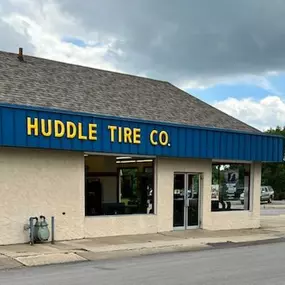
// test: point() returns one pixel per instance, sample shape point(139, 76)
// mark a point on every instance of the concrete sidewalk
point(14, 256)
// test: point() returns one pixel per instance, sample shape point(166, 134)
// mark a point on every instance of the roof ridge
point(84, 66)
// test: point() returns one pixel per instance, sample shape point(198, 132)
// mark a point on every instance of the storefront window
point(126, 191)
point(230, 187)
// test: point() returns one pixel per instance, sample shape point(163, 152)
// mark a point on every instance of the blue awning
point(31, 127)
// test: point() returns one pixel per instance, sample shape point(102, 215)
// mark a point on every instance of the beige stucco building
point(110, 154)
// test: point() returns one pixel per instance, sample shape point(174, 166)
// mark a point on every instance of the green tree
point(273, 174)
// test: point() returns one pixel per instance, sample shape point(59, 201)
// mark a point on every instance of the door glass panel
point(193, 185)
point(179, 200)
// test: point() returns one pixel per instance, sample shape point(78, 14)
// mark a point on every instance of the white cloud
point(112, 43)
point(139, 37)
point(44, 26)
point(262, 114)
point(260, 81)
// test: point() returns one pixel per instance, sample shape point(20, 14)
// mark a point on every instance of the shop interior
point(118, 185)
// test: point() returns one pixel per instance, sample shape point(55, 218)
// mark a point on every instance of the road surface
point(253, 265)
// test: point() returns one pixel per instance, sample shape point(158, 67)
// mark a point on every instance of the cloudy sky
point(230, 54)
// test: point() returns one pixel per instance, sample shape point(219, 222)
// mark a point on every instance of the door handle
point(187, 202)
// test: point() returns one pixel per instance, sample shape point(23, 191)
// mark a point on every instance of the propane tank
point(42, 230)
point(36, 229)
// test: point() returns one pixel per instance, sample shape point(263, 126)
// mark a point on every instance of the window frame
point(250, 181)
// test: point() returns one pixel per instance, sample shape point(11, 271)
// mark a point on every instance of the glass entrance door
point(179, 201)
point(186, 200)
point(192, 207)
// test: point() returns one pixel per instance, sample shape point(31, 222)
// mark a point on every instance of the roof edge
point(131, 119)
point(83, 66)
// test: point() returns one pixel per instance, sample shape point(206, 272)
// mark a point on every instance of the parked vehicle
point(265, 195)
point(271, 193)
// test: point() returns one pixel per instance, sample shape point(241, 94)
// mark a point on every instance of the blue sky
point(75, 41)
point(80, 42)
point(221, 92)
point(238, 90)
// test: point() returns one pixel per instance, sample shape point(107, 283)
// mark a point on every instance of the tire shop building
point(113, 154)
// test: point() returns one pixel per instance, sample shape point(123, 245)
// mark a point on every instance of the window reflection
point(230, 187)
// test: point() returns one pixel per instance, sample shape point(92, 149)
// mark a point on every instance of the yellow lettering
point(71, 130)
point(80, 132)
point(127, 135)
point(46, 132)
point(92, 132)
point(151, 137)
point(59, 129)
point(120, 134)
point(33, 126)
point(112, 132)
point(137, 136)
point(163, 138)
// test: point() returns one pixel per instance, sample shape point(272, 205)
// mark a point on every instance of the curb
point(76, 256)
point(132, 253)
point(230, 244)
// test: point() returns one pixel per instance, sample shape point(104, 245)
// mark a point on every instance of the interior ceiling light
point(134, 161)
point(123, 157)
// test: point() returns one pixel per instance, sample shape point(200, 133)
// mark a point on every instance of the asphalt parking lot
point(276, 208)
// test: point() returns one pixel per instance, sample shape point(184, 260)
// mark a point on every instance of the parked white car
point(265, 195)
point(271, 192)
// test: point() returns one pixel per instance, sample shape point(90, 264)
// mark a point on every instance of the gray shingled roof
point(45, 83)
